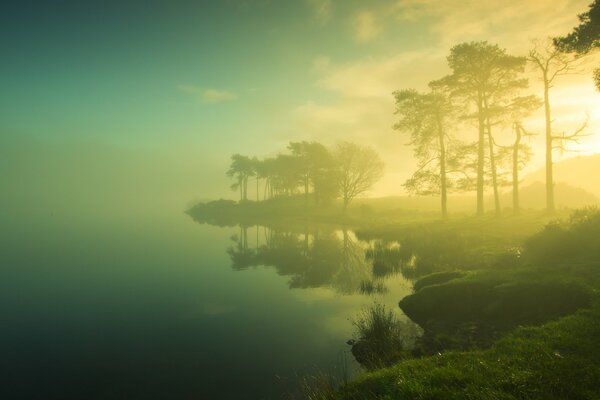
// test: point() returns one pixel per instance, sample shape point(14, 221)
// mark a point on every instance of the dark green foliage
point(560, 360)
point(499, 300)
point(585, 36)
point(380, 337)
point(576, 242)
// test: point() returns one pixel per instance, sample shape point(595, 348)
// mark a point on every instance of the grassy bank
point(544, 311)
point(559, 360)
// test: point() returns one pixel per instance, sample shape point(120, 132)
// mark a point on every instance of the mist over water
point(144, 302)
point(300, 200)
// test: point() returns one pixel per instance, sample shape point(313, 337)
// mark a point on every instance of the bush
point(575, 241)
point(380, 337)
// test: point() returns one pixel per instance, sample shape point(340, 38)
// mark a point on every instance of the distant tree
point(483, 74)
point(286, 174)
point(316, 161)
point(326, 185)
point(241, 168)
point(551, 63)
point(259, 172)
point(425, 117)
point(359, 168)
point(585, 37)
point(521, 107)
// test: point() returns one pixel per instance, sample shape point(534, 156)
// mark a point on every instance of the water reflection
point(319, 257)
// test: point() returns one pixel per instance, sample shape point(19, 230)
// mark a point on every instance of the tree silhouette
point(425, 117)
point(520, 108)
point(241, 168)
point(358, 167)
point(585, 37)
point(552, 63)
point(483, 74)
point(316, 160)
point(287, 174)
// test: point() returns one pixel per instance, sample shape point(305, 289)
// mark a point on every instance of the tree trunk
point(515, 172)
point(443, 183)
point(492, 162)
point(494, 176)
point(257, 192)
point(549, 175)
point(306, 190)
point(494, 173)
point(480, 156)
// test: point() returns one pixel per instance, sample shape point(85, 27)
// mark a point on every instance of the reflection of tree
point(241, 256)
point(321, 257)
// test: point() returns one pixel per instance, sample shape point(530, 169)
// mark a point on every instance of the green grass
point(557, 273)
point(559, 360)
point(437, 278)
point(502, 275)
point(499, 298)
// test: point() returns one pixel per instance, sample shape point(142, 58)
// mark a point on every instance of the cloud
point(378, 77)
point(366, 27)
point(321, 10)
point(208, 95)
point(360, 106)
point(510, 22)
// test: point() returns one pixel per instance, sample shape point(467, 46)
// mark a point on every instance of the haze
point(117, 100)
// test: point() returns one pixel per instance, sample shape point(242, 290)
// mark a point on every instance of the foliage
point(379, 340)
point(427, 119)
point(585, 37)
point(358, 168)
point(241, 168)
point(347, 172)
point(485, 78)
point(560, 360)
point(577, 241)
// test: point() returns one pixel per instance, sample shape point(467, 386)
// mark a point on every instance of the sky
point(124, 100)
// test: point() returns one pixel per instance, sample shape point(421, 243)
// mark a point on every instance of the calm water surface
point(157, 306)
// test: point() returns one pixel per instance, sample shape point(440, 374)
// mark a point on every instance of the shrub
point(380, 340)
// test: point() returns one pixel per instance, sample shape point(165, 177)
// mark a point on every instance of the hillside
point(578, 171)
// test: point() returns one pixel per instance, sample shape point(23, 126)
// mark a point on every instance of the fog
point(300, 200)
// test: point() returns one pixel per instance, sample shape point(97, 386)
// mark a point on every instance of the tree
point(358, 169)
point(551, 64)
point(585, 37)
point(287, 174)
point(483, 74)
point(424, 116)
point(519, 152)
point(316, 161)
point(241, 168)
point(260, 172)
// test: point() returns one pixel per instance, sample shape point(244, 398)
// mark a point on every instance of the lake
point(156, 306)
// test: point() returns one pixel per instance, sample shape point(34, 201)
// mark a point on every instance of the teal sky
point(153, 97)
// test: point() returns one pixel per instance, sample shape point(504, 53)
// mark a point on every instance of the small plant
point(380, 337)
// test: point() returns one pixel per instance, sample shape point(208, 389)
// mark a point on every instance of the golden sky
point(176, 88)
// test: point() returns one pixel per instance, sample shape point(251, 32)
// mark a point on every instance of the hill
point(579, 171)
